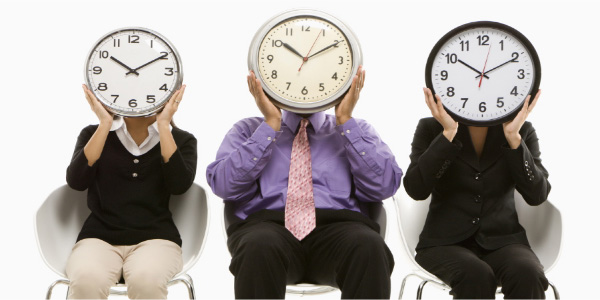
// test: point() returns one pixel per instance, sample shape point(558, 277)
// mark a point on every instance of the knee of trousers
point(370, 246)
point(258, 250)
point(525, 274)
point(476, 273)
point(144, 284)
point(90, 281)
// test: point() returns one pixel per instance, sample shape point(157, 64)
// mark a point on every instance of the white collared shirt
point(120, 127)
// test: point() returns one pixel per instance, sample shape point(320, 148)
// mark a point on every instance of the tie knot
point(304, 123)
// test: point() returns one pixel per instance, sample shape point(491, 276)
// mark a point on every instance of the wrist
point(275, 123)
point(514, 140)
point(340, 120)
point(450, 134)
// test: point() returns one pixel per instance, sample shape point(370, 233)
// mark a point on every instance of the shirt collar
point(292, 120)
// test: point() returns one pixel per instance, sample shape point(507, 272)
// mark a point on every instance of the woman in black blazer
point(472, 238)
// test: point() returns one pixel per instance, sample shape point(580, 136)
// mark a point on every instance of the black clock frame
point(489, 24)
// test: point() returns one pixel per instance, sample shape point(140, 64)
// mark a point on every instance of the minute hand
point(492, 69)
point(334, 44)
point(135, 70)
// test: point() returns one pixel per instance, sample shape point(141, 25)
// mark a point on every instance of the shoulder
point(247, 126)
point(88, 131)
point(181, 136)
point(526, 128)
point(429, 125)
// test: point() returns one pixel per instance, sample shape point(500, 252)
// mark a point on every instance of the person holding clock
point(130, 167)
point(265, 168)
point(472, 239)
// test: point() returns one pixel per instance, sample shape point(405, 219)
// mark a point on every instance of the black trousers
point(345, 250)
point(474, 273)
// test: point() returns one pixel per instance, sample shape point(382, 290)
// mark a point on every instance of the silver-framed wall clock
point(133, 71)
point(305, 59)
point(483, 71)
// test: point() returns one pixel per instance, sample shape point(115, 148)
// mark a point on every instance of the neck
point(135, 124)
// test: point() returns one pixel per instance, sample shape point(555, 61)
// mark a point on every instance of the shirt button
point(475, 221)
point(134, 175)
point(255, 159)
point(478, 199)
point(363, 153)
point(135, 161)
point(268, 138)
point(347, 130)
point(477, 176)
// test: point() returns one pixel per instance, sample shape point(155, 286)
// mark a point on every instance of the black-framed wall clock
point(483, 71)
point(305, 59)
point(133, 71)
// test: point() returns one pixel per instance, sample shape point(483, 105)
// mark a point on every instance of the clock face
point(306, 61)
point(483, 72)
point(133, 72)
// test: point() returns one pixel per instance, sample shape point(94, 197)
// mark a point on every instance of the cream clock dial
point(133, 71)
point(483, 71)
point(305, 59)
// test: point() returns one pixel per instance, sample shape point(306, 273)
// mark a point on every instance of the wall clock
point(133, 71)
point(305, 59)
point(483, 71)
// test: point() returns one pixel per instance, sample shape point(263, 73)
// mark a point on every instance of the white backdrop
point(43, 50)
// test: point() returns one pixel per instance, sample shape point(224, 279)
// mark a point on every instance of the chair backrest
point(542, 223)
point(59, 219)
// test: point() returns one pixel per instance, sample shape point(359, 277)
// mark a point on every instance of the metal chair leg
point(420, 290)
point(188, 282)
point(556, 294)
point(404, 284)
point(51, 287)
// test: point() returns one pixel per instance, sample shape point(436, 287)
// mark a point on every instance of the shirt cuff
point(350, 130)
point(264, 136)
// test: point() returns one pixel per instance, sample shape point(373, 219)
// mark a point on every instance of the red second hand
point(311, 47)
point(485, 64)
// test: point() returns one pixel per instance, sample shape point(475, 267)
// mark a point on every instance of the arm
point(80, 173)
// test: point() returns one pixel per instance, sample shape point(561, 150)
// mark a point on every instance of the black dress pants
point(474, 273)
point(345, 250)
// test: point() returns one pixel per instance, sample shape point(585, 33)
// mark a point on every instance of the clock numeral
point(274, 74)
point(335, 41)
point(288, 87)
point(334, 76)
point(463, 45)
point(164, 55)
point(276, 43)
point(341, 60)
point(305, 29)
point(499, 102)
point(450, 91)
point(150, 99)
point(521, 74)
point(97, 70)
point(321, 87)
point(102, 86)
point(304, 91)
point(514, 91)
point(464, 101)
point(451, 58)
point(483, 40)
point(132, 103)
point(116, 97)
point(444, 74)
point(289, 31)
point(515, 55)
point(270, 58)
point(501, 45)
point(134, 39)
point(163, 87)
point(169, 71)
point(103, 54)
point(482, 107)
point(116, 43)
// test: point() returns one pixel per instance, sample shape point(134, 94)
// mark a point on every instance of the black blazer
point(471, 196)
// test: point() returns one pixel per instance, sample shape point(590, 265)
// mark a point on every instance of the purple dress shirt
point(350, 164)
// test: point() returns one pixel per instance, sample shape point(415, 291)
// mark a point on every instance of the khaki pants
point(95, 266)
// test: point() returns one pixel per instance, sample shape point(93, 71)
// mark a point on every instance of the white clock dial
point(483, 74)
point(305, 59)
point(133, 72)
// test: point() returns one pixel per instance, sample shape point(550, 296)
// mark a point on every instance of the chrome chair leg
point(51, 287)
point(556, 294)
point(188, 282)
point(404, 284)
point(420, 290)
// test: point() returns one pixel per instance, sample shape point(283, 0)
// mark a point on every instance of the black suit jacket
point(471, 196)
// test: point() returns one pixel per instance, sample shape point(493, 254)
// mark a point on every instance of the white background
point(43, 48)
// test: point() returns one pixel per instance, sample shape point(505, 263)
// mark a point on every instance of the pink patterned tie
point(300, 204)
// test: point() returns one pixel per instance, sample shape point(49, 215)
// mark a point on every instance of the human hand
point(166, 115)
point(440, 114)
point(512, 128)
point(271, 112)
point(343, 110)
point(103, 115)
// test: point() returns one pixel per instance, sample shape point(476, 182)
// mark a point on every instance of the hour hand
point(476, 71)
point(125, 66)
point(287, 46)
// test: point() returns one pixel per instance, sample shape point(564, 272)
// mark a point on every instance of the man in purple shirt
point(351, 170)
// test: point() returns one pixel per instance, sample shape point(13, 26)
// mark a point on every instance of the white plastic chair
point(543, 225)
point(58, 221)
point(377, 213)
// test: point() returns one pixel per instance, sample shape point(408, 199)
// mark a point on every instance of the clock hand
point(492, 69)
point(304, 59)
point(287, 46)
point(125, 66)
point(484, 65)
point(332, 45)
point(135, 70)
point(476, 71)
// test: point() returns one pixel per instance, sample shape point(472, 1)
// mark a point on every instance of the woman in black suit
point(472, 238)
